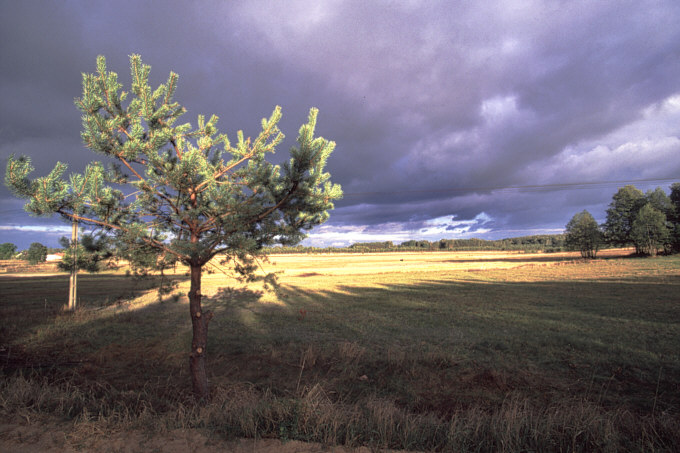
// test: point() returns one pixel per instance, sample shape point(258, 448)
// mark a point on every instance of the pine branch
point(153, 243)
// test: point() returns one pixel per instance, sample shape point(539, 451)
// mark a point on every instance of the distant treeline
point(545, 243)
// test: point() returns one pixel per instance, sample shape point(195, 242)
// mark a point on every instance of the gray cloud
point(433, 105)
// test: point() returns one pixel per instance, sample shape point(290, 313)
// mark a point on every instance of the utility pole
point(73, 283)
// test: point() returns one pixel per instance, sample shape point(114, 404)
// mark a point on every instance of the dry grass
point(441, 351)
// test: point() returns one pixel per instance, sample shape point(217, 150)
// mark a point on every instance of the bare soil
point(30, 436)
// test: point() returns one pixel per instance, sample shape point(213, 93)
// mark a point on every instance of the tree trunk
point(73, 280)
point(199, 342)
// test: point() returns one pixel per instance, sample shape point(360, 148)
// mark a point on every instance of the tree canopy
point(36, 253)
point(583, 234)
point(7, 251)
point(650, 232)
point(625, 204)
point(674, 216)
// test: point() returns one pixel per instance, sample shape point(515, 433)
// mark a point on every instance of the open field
point(423, 351)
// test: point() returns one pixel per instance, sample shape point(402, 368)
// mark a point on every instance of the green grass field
point(438, 351)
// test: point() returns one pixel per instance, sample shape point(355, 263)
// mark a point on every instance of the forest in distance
point(546, 243)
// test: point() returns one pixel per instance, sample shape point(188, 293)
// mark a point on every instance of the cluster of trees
point(546, 243)
point(648, 221)
point(36, 252)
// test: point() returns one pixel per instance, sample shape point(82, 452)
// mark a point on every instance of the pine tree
point(188, 192)
point(91, 252)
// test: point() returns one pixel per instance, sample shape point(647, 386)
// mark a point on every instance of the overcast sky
point(452, 119)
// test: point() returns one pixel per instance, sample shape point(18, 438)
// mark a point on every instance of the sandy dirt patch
point(52, 437)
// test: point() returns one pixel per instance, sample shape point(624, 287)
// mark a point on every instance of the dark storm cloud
point(437, 108)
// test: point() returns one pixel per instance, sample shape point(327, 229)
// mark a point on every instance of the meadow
point(451, 351)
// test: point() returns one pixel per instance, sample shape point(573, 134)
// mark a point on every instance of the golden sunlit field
point(450, 351)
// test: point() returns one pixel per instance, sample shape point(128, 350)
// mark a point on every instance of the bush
point(7, 251)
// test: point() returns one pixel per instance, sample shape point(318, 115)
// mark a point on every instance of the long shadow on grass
point(430, 343)
point(93, 289)
point(103, 335)
point(430, 347)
